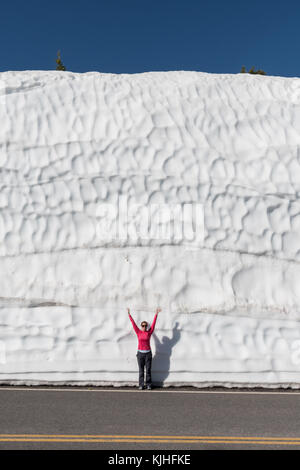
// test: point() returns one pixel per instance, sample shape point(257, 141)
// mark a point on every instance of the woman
point(144, 353)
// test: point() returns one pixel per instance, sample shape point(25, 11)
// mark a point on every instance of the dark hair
point(144, 321)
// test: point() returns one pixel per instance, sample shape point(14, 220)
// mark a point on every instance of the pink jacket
point(143, 336)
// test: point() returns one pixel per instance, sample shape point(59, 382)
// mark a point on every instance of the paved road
point(170, 419)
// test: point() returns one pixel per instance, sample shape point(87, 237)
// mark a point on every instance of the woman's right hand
point(128, 311)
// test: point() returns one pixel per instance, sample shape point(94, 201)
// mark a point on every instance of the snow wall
point(99, 173)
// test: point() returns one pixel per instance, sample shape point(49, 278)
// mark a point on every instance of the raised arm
point(136, 329)
point(154, 321)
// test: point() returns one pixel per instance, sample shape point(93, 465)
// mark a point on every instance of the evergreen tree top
point(252, 71)
point(60, 65)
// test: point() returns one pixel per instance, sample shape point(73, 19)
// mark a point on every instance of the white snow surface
point(74, 144)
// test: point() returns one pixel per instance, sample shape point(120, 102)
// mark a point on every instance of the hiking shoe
point(141, 388)
point(149, 387)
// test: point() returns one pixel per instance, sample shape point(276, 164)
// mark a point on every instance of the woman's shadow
point(161, 360)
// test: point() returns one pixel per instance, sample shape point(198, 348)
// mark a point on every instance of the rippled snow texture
point(71, 143)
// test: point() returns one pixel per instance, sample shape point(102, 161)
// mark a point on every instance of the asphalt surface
point(160, 419)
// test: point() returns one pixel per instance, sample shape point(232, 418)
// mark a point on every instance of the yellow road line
point(148, 439)
point(183, 441)
point(122, 436)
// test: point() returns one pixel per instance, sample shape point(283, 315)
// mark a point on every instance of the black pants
point(144, 359)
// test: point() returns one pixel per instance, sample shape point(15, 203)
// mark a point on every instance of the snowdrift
point(171, 189)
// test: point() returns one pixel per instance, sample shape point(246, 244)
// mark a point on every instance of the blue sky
point(131, 36)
